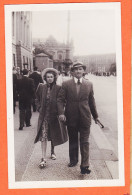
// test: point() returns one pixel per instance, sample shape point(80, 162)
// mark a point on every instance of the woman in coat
point(49, 127)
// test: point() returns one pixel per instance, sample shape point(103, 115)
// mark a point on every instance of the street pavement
point(103, 147)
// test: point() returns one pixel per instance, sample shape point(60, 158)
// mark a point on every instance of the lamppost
point(67, 62)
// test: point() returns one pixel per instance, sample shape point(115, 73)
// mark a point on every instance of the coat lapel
point(44, 92)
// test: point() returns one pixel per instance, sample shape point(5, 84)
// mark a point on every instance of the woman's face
point(49, 78)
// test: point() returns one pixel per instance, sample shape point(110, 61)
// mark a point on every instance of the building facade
point(98, 63)
point(22, 40)
point(43, 61)
point(57, 50)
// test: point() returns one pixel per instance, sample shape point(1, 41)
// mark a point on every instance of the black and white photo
point(64, 95)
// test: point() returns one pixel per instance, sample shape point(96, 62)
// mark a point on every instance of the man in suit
point(75, 105)
point(26, 90)
point(37, 79)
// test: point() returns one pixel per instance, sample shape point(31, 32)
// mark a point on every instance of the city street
point(103, 143)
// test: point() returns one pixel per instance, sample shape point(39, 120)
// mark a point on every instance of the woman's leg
point(44, 142)
point(44, 147)
point(53, 156)
point(52, 148)
point(43, 160)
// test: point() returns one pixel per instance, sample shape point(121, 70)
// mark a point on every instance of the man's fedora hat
point(78, 64)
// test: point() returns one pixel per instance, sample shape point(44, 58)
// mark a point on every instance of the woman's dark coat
point(58, 135)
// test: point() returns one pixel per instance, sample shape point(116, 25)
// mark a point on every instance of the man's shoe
point(29, 125)
point(85, 170)
point(72, 164)
point(20, 128)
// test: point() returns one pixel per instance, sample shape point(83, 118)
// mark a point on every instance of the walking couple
point(72, 104)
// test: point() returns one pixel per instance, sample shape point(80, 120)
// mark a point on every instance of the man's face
point(49, 78)
point(67, 68)
point(78, 72)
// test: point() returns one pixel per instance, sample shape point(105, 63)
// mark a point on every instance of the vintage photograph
point(64, 95)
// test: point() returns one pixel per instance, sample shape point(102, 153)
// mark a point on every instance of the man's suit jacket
point(26, 89)
point(14, 87)
point(37, 79)
point(78, 107)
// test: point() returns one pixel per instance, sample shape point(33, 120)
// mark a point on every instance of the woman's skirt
point(45, 132)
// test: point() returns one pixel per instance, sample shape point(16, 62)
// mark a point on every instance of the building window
point(23, 59)
point(60, 57)
point(13, 23)
point(14, 60)
point(30, 64)
point(27, 60)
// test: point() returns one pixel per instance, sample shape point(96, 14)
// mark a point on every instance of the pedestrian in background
point(18, 74)
point(14, 88)
point(26, 91)
point(75, 105)
point(64, 76)
point(48, 124)
point(37, 79)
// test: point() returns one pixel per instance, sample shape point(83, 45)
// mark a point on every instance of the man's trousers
point(25, 113)
point(74, 144)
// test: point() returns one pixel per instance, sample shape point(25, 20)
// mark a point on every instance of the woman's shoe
point(42, 164)
point(53, 156)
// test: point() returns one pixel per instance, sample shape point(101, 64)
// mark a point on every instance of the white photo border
point(12, 184)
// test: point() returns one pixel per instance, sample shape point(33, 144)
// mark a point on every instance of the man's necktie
point(78, 86)
point(78, 82)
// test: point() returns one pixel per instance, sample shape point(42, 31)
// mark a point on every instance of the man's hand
point(97, 120)
point(62, 118)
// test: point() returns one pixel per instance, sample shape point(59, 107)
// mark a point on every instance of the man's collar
point(76, 80)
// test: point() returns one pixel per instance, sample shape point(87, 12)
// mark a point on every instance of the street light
point(67, 62)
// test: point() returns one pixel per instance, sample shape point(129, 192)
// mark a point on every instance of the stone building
point(98, 63)
point(22, 40)
point(43, 61)
point(57, 50)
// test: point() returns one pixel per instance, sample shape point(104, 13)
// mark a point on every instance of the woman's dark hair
point(53, 73)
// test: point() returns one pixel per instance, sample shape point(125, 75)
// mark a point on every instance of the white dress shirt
point(78, 84)
point(76, 80)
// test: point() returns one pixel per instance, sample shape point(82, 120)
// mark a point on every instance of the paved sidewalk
point(103, 160)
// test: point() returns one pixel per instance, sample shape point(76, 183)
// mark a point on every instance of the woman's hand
point(62, 117)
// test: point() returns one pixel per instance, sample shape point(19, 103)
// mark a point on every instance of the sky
point(92, 31)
